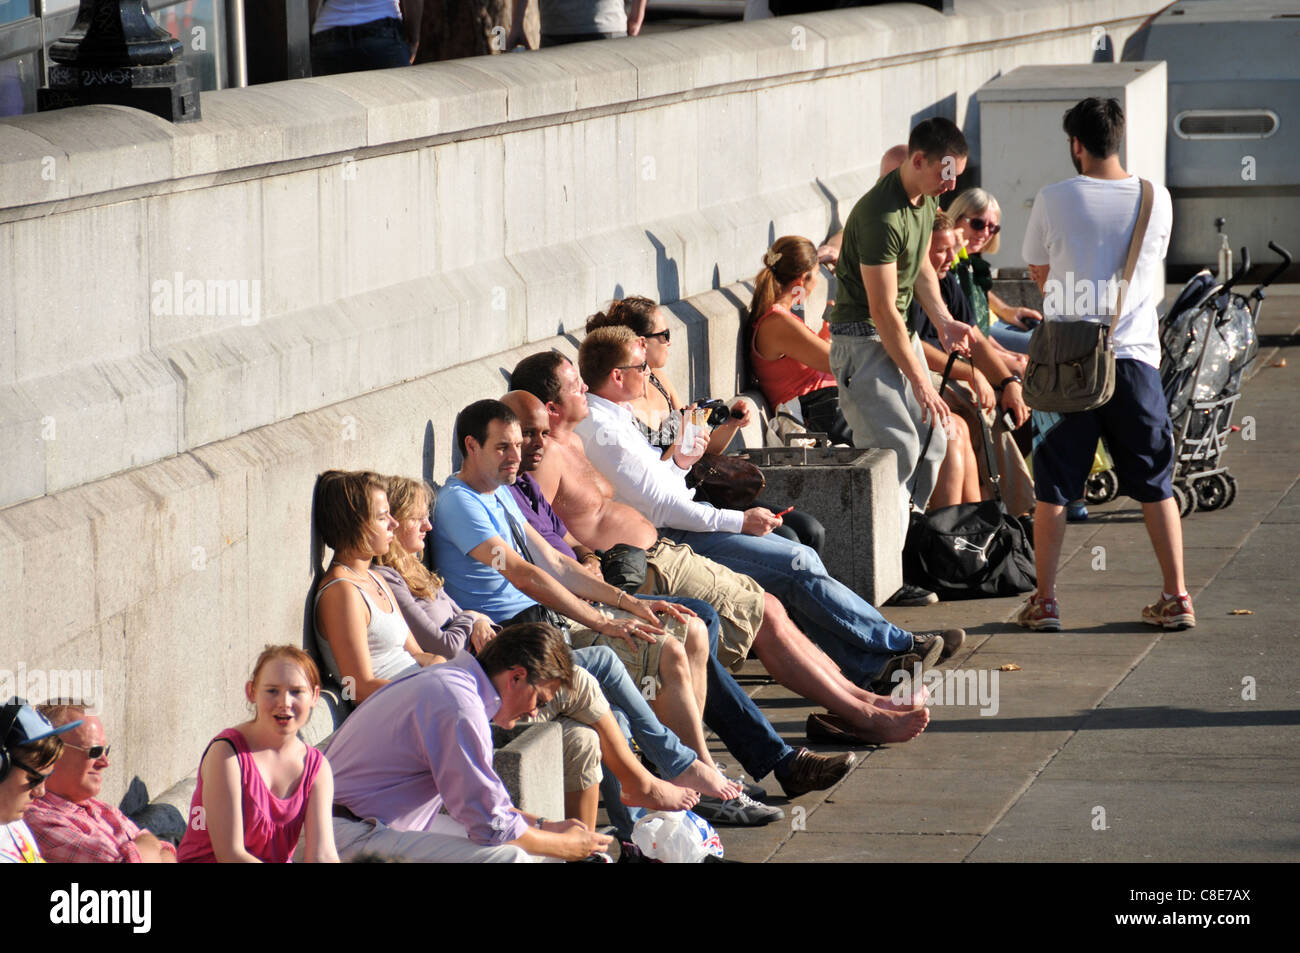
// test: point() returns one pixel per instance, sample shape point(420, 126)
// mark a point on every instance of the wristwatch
point(1008, 379)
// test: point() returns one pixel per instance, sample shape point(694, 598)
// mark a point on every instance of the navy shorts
point(1135, 425)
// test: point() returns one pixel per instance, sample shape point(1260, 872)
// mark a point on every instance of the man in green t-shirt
point(885, 389)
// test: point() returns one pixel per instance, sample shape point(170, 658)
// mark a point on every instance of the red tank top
point(785, 378)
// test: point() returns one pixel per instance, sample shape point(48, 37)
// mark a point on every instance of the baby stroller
point(1207, 340)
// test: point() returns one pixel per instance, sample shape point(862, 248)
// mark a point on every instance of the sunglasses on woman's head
point(980, 224)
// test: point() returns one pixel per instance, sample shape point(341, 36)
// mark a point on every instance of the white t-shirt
point(1081, 228)
point(17, 845)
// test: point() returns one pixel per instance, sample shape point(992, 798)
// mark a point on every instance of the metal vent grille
point(1226, 124)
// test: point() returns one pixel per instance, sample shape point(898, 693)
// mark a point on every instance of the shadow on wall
point(667, 281)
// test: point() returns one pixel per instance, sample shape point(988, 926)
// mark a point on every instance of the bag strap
point(1134, 247)
point(995, 474)
point(947, 372)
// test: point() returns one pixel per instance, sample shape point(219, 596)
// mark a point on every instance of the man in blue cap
point(29, 746)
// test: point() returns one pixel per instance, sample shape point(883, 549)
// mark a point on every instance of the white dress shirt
point(654, 487)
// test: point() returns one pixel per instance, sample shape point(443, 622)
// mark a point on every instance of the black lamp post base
point(168, 90)
point(117, 54)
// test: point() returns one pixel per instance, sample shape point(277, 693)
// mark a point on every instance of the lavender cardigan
point(438, 624)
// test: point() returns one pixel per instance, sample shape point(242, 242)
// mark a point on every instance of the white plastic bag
point(676, 837)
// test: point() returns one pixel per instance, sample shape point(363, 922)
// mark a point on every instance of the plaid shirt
point(90, 832)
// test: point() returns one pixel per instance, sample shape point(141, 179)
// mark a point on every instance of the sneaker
point(1175, 613)
point(952, 640)
point(928, 645)
point(1041, 615)
point(1076, 512)
point(740, 811)
point(885, 679)
point(912, 596)
point(814, 772)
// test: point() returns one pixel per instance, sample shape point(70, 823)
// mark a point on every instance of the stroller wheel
point(1212, 492)
point(1101, 487)
point(1232, 491)
point(1186, 501)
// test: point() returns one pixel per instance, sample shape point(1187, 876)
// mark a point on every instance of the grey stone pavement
point(1114, 741)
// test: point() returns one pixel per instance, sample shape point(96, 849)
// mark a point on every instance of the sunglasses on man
point(94, 752)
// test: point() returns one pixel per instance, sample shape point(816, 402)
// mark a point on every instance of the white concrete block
point(96, 149)
point(559, 282)
point(100, 419)
point(466, 100)
point(32, 169)
point(66, 313)
point(205, 263)
point(397, 102)
point(667, 176)
point(539, 85)
point(21, 427)
point(381, 230)
point(53, 534)
point(470, 190)
point(730, 150)
point(290, 218)
point(603, 169)
point(228, 384)
point(493, 307)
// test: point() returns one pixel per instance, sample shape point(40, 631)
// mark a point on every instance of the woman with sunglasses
point(29, 747)
point(977, 215)
point(659, 412)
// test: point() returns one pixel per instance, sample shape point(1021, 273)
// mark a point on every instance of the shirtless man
point(583, 498)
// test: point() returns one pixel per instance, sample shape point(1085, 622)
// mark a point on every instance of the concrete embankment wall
point(197, 319)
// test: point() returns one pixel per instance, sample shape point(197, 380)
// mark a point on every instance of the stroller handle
point(1277, 272)
point(1240, 272)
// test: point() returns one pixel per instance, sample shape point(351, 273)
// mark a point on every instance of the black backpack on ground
point(970, 550)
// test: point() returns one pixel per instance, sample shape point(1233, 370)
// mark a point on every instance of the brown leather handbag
point(729, 483)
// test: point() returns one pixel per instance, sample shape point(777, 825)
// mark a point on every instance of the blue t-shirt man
point(464, 519)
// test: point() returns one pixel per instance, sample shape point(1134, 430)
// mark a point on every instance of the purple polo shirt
point(423, 741)
point(539, 513)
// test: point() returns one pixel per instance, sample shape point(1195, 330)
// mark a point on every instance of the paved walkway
point(1114, 741)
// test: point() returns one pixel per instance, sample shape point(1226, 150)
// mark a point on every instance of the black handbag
point(624, 567)
point(970, 550)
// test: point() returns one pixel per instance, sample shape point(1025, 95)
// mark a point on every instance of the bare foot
point(904, 697)
point(659, 796)
point(707, 780)
point(889, 726)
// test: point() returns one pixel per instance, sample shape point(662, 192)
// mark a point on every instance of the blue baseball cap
point(21, 724)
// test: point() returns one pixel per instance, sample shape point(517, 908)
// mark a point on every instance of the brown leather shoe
point(814, 772)
point(826, 728)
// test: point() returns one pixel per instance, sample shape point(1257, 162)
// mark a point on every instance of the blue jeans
point(375, 45)
point(843, 624)
point(1009, 336)
point(731, 713)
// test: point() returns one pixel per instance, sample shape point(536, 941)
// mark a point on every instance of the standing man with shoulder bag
point(1093, 363)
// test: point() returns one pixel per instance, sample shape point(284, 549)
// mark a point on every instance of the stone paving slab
point(1151, 726)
